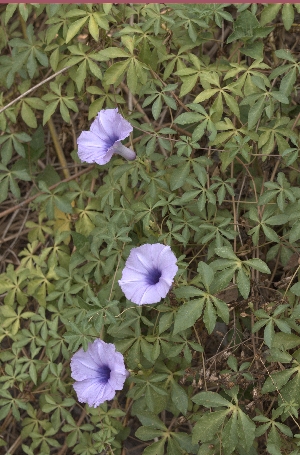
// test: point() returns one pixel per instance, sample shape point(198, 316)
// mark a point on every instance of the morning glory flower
point(148, 274)
point(98, 373)
point(104, 138)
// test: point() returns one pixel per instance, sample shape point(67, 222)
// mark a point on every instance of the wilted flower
point(148, 274)
point(103, 140)
point(98, 373)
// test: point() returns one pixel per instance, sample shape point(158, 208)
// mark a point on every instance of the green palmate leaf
point(179, 397)
point(132, 78)
point(290, 393)
point(210, 400)
point(50, 109)
point(151, 419)
point(206, 94)
point(115, 72)
point(269, 13)
point(9, 11)
point(179, 176)
point(270, 234)
point(288, 15)
point(246, 430)
point(36, 103)
point(285, 54)
point(64, 112)
point(75, 28)
point(181, 441)
point(156, 108)
point(206, 274)
point(273, 449)
point(147, 433)
point(254, 50)
point(188, 83)
point(277, 380)
point(185, 292)
point(232, 104)
point(285, 340)
point(188, 314)
point(288, 81)
point(23, 8)
point(93, 28)
point(28, 115)
point(157, 448)
point(230, 436)
point(188, 117)
point(295, 289)
point(94, 68)
point(101, 20)
point(209, 317)
point(269, 333)
point(209, 424)
point(80, 75)
point(281, 97)
point(258, 264)
point(226, 252)
point(284, 429)
point(255, 112)
point(243, 282)
point(113, 52)
point(222, 309)
point(222, 279)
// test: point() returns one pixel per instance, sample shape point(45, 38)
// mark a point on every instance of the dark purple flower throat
point(154, 276)
point(104, 374)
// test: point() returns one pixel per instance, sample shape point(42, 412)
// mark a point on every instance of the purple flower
point(98, 373)
point(148, 274)
point(103, 140)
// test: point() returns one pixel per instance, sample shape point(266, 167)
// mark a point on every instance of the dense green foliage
point(212, 92)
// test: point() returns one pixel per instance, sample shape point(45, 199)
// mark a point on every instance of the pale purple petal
point(92, 392)
point(140, 259)
point(98, 372)
point(113, 124)
point(148, 274)
point(140, 293)
point(103, 140)
point(162, 288)
point(91, 150)
point(83, 366)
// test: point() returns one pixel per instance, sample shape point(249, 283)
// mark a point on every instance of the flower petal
point(117, 380)
point(83, 366)
point(103, 353)
point(92, 392)
point(103, 140)
point(98, 372)
point(148, 273)
point(98, 129)
point(140, 259)
point(133, 275)
point(92, 150)
point(140, 294)
point(113, 124)
point(163, 287)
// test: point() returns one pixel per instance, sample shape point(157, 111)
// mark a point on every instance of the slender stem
point(58, 148)
point(34, 88)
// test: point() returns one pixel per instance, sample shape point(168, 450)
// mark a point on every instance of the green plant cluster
point(212, 91)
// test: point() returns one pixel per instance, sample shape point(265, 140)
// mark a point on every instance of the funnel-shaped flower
point(104, 138)
point(148, 274)
point(98, 373)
